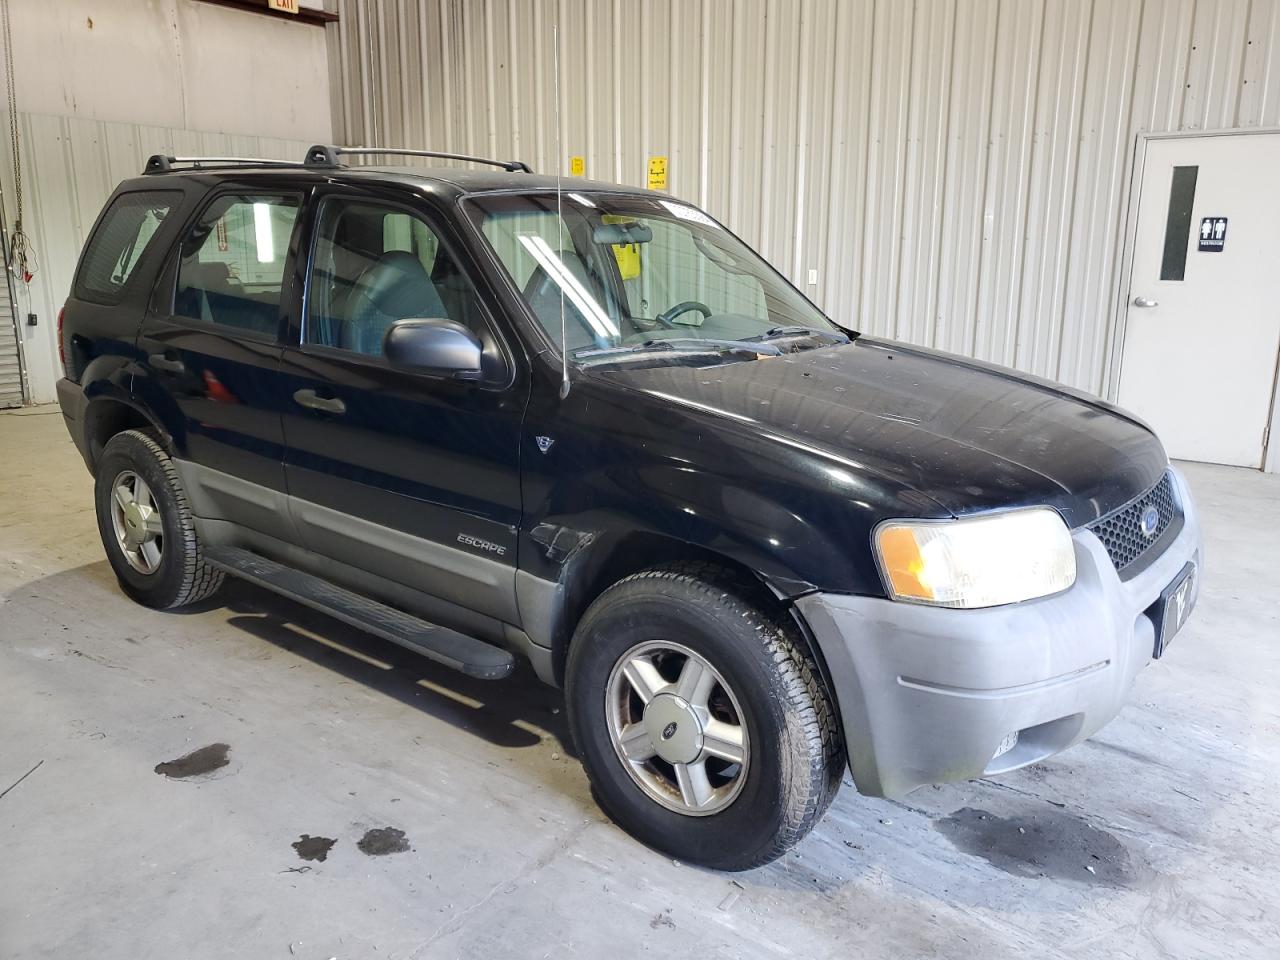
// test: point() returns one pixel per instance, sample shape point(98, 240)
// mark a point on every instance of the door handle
point(308, 399)
point(161, 362)
point(1144, 302)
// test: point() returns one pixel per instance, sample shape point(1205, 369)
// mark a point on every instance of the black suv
point(490, 413)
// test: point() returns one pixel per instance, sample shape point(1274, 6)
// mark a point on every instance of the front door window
point(374, 265)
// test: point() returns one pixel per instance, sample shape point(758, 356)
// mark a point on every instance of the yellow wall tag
point(577, 166)
point(657, 173)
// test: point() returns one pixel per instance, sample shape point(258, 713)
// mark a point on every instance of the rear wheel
point(146, 524)
point(704, 727)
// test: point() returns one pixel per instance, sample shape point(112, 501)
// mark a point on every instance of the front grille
point(1121, 531)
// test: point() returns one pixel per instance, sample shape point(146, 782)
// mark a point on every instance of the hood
point(969, 435)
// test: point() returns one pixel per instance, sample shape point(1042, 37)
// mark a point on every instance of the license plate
point(1170, 612)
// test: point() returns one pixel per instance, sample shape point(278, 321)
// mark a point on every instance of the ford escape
point(489, 414)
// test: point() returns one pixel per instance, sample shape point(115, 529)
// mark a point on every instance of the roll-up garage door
point(10, 364)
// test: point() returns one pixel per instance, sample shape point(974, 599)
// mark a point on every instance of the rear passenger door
point(210, 354)
point(402, 474)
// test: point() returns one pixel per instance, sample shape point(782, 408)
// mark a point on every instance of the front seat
point(393, 288)
point(542, 293)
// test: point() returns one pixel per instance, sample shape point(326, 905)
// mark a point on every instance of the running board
point(473, 657)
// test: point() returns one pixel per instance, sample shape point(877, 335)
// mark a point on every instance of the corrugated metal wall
point(956, 171)
point(70, 166)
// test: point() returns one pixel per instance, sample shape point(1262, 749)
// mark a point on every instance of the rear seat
point(208, 292)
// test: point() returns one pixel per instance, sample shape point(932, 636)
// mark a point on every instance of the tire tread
point(807, 703)
point(198, 580)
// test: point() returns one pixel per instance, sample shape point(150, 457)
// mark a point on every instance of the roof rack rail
point(325, 156)
point(159, 163)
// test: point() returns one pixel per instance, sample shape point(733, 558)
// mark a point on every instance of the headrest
point(207, 275)
point(398, 286)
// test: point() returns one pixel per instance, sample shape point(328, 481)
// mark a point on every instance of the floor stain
point(312, 848)
point(1052, 844)
point(383, 840)
point(662, 919)
point(197, 762)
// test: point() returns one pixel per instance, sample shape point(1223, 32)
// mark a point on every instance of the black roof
point(489, 181)
point(458, 181)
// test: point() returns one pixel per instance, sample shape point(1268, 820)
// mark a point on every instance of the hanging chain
point(19, 248)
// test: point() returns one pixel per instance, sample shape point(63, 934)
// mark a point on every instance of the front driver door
point(408, 476)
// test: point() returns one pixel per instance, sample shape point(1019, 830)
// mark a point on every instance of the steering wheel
point(666, 317)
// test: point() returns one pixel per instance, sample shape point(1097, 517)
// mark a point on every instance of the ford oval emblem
point(1150, 522)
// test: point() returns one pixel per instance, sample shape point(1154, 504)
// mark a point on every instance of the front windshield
point(638, 274)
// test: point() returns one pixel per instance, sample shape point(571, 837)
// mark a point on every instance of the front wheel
point(705, 729)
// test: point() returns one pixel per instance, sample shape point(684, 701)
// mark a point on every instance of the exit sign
point(284, 6)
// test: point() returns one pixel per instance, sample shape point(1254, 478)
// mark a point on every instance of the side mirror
point(434, 346)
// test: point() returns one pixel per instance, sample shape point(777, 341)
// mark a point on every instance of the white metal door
point(1202, 336)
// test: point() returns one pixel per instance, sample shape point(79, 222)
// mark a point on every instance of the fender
point(160, 407)
point(582, 564)
point(602, 501)
point(587, 563)
point(107, 405)
point(567, 559)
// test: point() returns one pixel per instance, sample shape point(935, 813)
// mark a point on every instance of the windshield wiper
point(683, 344)
point(796, 330)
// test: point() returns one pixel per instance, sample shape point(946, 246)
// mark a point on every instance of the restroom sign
point(1213, 234)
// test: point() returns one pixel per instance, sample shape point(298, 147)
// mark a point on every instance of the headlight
point(977, 561)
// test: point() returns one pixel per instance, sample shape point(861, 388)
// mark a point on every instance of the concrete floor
point(1158, 838)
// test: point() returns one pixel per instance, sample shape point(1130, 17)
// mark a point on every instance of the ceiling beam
point(304, 15)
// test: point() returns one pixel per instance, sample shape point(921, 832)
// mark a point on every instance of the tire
point(179, 575)
point(765, 686)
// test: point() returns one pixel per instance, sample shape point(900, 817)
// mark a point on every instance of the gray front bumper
point(927, 694)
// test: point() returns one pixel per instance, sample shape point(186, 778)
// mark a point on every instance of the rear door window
point(232, 263)
point(123, 235)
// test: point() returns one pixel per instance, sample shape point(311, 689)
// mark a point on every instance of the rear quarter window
point(123, 235)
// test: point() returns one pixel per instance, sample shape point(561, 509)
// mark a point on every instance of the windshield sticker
point(692, 214)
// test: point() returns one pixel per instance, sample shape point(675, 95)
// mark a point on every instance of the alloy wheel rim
point(677, 728)
point(135, 520)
